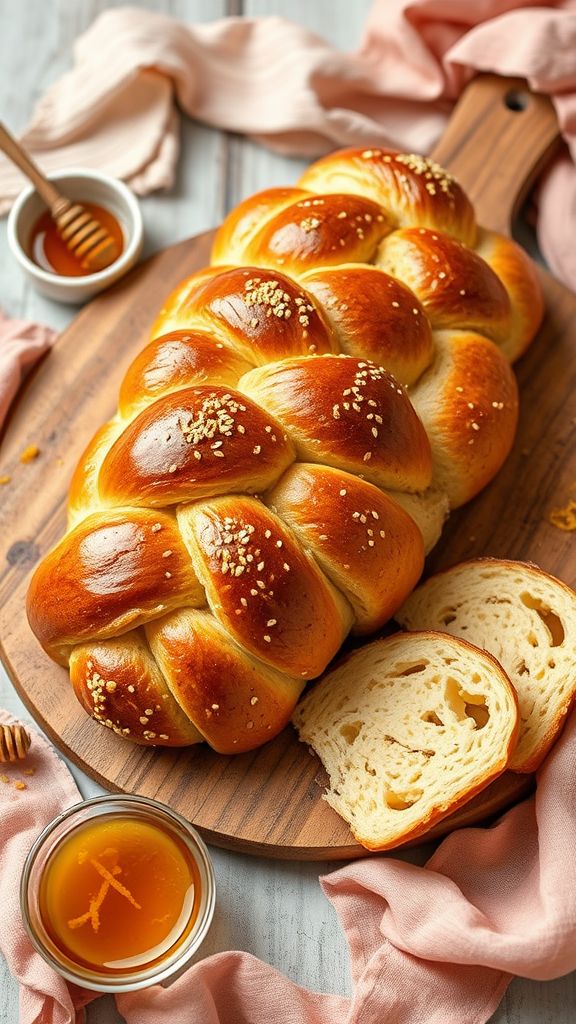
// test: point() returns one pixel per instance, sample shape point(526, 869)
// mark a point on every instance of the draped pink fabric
point(269, 78)
point(428, 945)
point(21, 345)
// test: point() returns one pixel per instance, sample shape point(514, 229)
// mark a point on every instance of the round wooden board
point(268, 802)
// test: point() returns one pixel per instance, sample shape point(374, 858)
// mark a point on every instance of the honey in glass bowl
point(118, 893)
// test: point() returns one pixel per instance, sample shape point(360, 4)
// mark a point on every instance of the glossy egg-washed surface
point(286, 448)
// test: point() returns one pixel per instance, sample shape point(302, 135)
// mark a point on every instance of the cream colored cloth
point(284, 86)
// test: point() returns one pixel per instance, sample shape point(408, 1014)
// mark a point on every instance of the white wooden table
point(274, 910)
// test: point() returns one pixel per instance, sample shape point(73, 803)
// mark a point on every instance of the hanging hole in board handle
point(517, 100)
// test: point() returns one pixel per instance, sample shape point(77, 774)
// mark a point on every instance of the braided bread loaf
point(286, 448)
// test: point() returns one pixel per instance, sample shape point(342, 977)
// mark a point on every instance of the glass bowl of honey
point(44, 257)
point(118, 893)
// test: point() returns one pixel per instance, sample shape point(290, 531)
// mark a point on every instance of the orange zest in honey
point(92, 914)
point(49, 250)
point(119, 894)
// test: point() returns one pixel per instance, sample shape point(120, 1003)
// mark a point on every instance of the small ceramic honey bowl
point(118, 893)
point(42, 255)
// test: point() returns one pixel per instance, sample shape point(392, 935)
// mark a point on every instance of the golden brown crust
point(265, 590)
point(237, 702)
point(84, 493)
point(365, 543)
point(120, 685)
point(254, 329)
point(520, 278)
point(246, 219)
point(114, 571)
point(180, 359)
point(174, 314)
point(319, 231)
point(413, 189)
point(468, 403)
point(194, 443)
point(374, 316)
point(263, 314)
point(456, 287)
point(348, 413)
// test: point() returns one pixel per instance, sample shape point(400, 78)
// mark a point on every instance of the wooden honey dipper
point(85, 236)
point(14, 742)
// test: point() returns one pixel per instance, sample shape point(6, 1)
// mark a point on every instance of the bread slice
point(408, 729)
point(527, 620)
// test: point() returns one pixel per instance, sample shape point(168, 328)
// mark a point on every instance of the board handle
point(498, 138)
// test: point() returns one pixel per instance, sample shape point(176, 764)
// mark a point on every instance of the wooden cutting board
point(269, 802)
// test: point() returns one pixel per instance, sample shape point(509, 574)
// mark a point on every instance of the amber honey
point(48, 249)
point(118, 893)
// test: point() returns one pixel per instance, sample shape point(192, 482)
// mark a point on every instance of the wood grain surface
point(244, 802)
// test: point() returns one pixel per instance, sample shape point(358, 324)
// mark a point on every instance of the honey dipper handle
point(18, 156)
point(497, 140)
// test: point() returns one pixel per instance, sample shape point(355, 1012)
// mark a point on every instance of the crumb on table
point(5, 479)
point(564, 518)
point(30, 453)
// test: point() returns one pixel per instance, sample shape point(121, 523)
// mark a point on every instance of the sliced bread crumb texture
point(527, 620)
point(408, 729)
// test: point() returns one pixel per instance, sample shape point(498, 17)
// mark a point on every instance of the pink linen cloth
point(21, 345)
point(292, 91)
point(428, 945)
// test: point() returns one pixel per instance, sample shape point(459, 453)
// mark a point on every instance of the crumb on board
point(564, 518)
point(5, 479)
point(30, 453)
